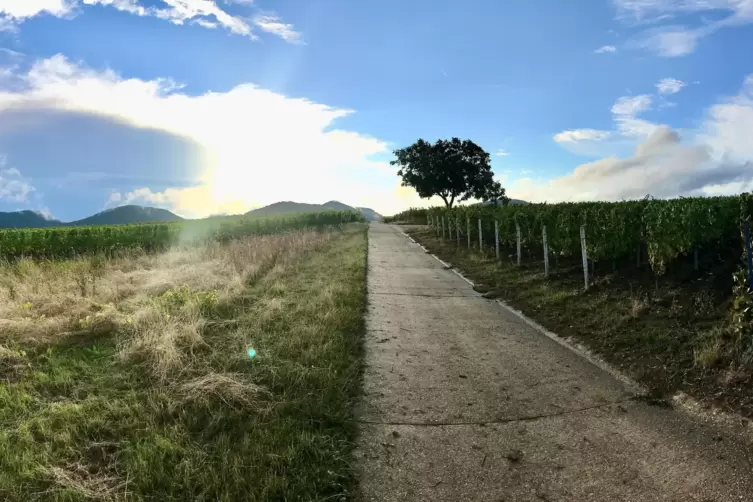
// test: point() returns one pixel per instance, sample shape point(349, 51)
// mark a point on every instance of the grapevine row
point(664, 229)
point(66, 242)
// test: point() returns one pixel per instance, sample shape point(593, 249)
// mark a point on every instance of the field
point(668, 299)
point(220, 369)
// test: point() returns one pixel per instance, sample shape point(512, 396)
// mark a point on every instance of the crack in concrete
point(529, 418)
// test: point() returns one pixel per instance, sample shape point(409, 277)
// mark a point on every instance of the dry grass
point(161, 302)
point(129, 378)
point(230, 388)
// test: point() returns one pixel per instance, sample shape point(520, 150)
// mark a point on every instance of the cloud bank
point(257, 146)
point(205, 13)
point(713, 160)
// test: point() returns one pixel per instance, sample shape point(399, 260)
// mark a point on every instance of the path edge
point(568, 343)
point(680, 400)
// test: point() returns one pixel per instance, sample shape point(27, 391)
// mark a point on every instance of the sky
point(220, 106)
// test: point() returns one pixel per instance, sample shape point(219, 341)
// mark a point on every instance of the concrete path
point(464, 402)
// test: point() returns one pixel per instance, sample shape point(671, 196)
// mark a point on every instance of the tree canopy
point(452, 169)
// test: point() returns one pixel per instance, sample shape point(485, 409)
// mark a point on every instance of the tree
point(454, 170)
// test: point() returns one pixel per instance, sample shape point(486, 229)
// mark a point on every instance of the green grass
point(80, 422)
point(665, 337)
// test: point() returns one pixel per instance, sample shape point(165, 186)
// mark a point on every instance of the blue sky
point(205, 106)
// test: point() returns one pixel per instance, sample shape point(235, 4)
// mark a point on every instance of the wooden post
point(496, 238)
point(468, 229)
point(584, 253)
point(517, 229)
point(449, 227)
point(480, 238)
point(443, 232)
point(750, 255)
point(546, 251)
point(457, 229)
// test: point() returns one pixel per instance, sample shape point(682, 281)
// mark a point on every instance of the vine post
point(517, 230)
point(468, 229)
point(496, 238)
point(584, 254)
point(750, 256)
point(457, 230)
point(546, 251)
point(480, 238)
point(442, 224)
point(449, 228)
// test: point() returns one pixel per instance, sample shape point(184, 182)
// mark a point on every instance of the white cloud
point(606, 49)
point(576, 135)
point(501, 153)
point(670, 86)
point(272, 24)
point(259, 146)
point(628, 128)
point(715, 160)
point(13, 186)
point(728, 124)
point(205, 13)
point(625, 111)
point(19, 10)
point(130, 6)
point(672, 41)
point(657, 10)
point(661, 166)
point(678, 40)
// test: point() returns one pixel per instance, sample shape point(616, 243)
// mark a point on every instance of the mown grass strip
point(78, 421)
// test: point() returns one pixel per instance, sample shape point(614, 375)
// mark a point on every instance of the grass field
point(131, 378)
point(670, 338)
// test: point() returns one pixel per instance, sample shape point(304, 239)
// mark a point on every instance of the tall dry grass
point(160, 303)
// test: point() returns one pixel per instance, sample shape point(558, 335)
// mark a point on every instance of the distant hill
point(115, 216)
point(300, 207)
point(26, 219)
point(128, 214)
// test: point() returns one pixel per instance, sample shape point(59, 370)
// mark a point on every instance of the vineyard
point(657, 232)
point(667, 283)
point(67, 242)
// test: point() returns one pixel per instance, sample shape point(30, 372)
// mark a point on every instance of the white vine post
point(457, 230)
point(517, 229)
point(468, 228)
point(480, 239)
point(546, 252)
point(496, 238)
point(584, 253)
point(442, 223)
